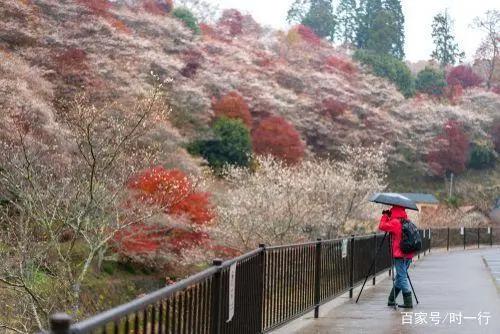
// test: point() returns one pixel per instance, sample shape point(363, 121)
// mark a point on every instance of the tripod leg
point(392, 271)
point(371, 267)
point(409, 280)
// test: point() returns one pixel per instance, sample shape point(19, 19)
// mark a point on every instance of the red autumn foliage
point(332, 107)
point(72, 60)
point(464, 76)
point(233, 105)
point(232, 20)
point(495, 135)
point(308, 35)
point(496, 90)
point(173, 193)
point(340, 64)
point(98, 7)
point(193, 62)
point(156, 7)
point(449, 151)
point(279, 138)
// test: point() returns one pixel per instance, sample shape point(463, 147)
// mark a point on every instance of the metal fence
point(271, 287)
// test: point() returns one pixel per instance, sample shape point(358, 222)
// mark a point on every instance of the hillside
point(52, 50)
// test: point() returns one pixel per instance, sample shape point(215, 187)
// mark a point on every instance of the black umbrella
point(393, 199)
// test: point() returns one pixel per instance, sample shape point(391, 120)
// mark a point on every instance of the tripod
point(392, 270)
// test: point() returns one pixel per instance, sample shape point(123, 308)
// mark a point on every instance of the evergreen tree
point(316, 14)
point(366, 11)
point(298, 11)
point(398, 20)
point(347, 21)
point(382, 33)
point(381, 27)
point(446, 51)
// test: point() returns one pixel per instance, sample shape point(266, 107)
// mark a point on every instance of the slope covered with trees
point(119, 119)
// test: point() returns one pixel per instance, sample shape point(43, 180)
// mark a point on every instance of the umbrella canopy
point(393, 199)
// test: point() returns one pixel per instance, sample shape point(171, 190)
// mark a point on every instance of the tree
point(488, 51)
point(232, 105)
point(186, 212)
point(62, 210)
point(298, 11)
point(449, 151)
point(383, 34)
point(446, 50)
point(204, 11)
point(188, 18)
point(232, 144)
point(316, 14)
point(398, 20)
point(277, 203)
point(430, 81)
point(232, 20)
point(347, 22)
point(482, 154)
point(367, 11)
point(464, 76)
point(381, 27)
point(389, 67)
point(277, 137)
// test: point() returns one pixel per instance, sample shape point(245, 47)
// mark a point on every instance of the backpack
point(411, 241)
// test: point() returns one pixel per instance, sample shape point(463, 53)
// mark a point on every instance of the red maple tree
point(464, 76)
point(232, 19)
point(233, 105)
point(449, 150)
point(332, 107)
point(308, 35)
point(277, 137)
point(171, 192)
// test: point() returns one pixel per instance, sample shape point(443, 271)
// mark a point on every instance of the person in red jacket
point(391, 222)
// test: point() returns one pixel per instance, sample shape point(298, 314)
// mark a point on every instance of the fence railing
point(271, 287)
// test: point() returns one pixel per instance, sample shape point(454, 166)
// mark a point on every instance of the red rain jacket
point(392, 225)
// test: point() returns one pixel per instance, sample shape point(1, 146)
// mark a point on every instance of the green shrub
point(430, 81)
point(188, 18)
point(231, 145)
point(482, 155)
point(386, 66)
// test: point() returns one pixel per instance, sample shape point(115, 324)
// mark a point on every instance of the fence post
point(425, 248)
point(478, 237)
point(430, 241)
point(491, 236)
point(351, 271)
point(317, 278)
point(216, 298)
point(464, 237)
point(448, 241)
point(262, 284)
point(375, 257)
point(60, 323)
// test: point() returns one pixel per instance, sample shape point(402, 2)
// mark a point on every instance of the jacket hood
point(398, 212)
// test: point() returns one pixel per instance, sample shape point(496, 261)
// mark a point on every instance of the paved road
point(459, 292)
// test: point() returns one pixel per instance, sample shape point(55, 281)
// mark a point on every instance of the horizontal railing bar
point(243, 257)
point(119, 312)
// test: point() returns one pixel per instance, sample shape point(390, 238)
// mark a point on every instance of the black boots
point(392, 296)
point(408, 300)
